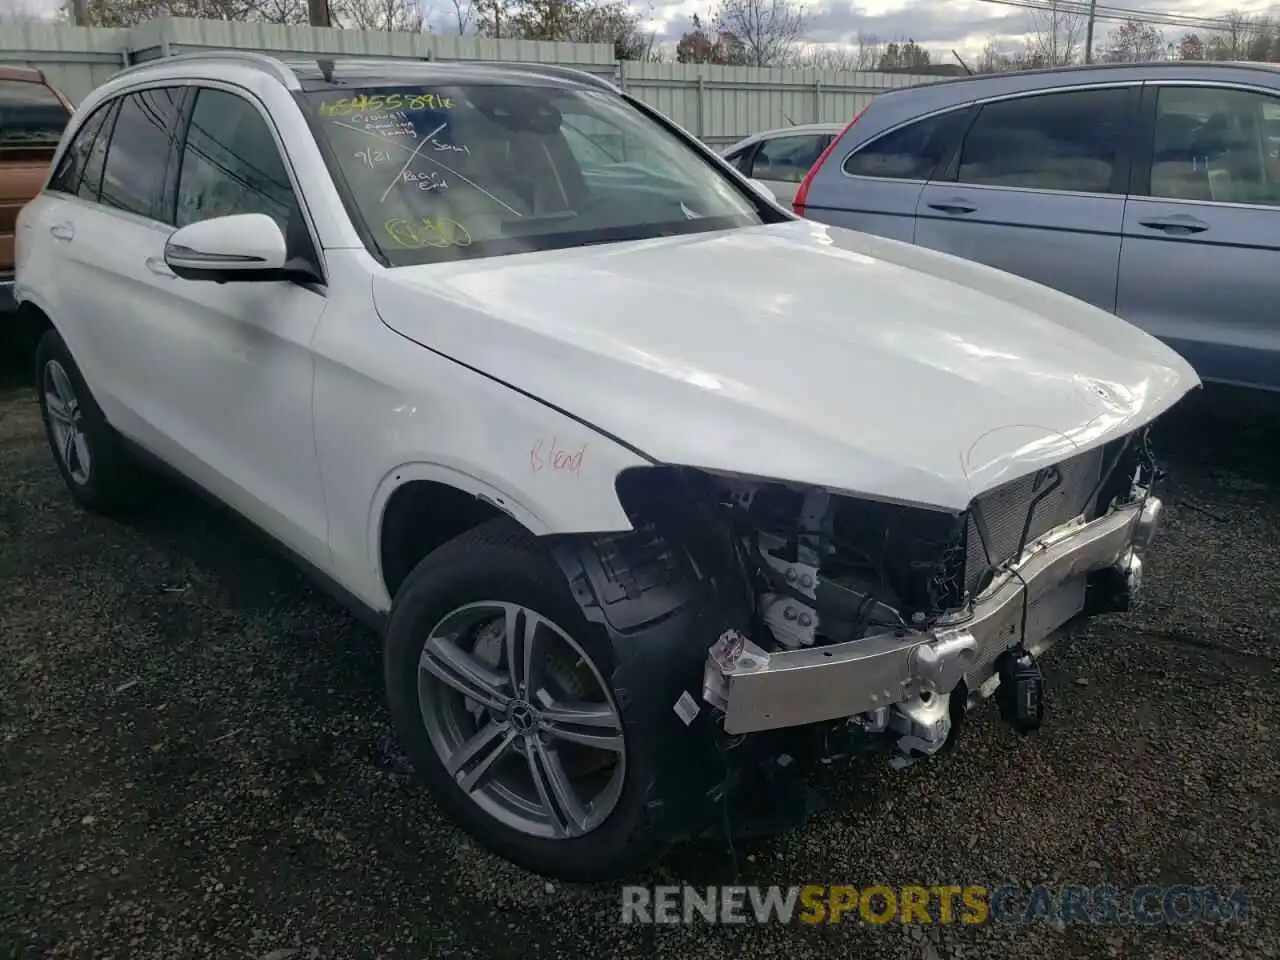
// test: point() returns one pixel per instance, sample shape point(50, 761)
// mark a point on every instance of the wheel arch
point(420, 506)
point(30, 323)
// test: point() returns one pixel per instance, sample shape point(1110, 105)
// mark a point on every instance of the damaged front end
point(896, 619)
point(764, 614)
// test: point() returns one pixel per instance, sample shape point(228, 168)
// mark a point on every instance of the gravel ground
point(195, 760)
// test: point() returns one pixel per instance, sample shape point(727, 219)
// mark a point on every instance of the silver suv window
point(1217, 144)
point(788, 159)
point(912, 152)
point(1068, 140)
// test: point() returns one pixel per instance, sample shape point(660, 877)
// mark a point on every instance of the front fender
point(388, 411)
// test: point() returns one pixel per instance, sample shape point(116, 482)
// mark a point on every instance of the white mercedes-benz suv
point(650, 485)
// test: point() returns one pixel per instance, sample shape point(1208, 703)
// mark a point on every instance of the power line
point(1114, 14)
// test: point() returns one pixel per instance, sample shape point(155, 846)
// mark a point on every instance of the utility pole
point(80, 12)
point(1088, 34)
point(318, 13)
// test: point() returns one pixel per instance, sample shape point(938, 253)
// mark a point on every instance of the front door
point(1037, 189)
point(1201, 237)
point(224, 370)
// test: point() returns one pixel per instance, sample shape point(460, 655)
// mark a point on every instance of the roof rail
point(266, 63)
point(556, 70)
point(546, 69)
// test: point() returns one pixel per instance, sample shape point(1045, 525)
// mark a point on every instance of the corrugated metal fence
point(719, 104)
point(724, 104)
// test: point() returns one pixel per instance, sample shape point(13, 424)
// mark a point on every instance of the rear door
point(1037, 188)
point(54, 265)
point(114, 243)
point(1202, 230)
point(781, 162)
point(877, 186)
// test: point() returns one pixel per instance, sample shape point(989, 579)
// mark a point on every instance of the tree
point(1190, 47)
point(1134, 42)
point(907, 55)
point(493, 18)
point(701, 45)
point(464, 15)
point(1244, 37)
point(1057, 37)
point(769, 30)
point(286, 12)
point(863, 54)
point(993, 59)
point(613, 22)
point(127, 13)
point(398, 15)
point(543, 19)
point(577, 21)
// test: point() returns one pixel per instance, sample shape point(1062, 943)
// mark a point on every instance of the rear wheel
point(95, 465)
point(501, 693)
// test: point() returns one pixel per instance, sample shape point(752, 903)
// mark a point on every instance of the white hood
point(799, 352)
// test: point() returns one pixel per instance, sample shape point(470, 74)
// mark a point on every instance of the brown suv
point(32, 117)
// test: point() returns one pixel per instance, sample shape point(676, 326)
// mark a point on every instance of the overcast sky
point(940, 25)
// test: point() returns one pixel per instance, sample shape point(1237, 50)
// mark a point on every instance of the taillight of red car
point(802, 193)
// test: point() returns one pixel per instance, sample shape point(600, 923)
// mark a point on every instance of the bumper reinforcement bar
point(758, 690)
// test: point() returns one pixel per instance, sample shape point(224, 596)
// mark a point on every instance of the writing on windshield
point(438, 174)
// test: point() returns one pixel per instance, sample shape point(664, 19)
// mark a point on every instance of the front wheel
point(501, 692)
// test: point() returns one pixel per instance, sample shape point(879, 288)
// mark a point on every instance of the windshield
point(30, 114)
point(443, 173)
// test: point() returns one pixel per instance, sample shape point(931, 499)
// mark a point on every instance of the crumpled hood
point(799, 352)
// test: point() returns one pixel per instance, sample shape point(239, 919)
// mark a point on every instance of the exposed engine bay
point(862, 625)
point(832, 570)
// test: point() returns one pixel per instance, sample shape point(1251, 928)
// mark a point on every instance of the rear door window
point(139, 149)
point(1067, 141)
point(788, 159)
point(75, 159)
point(1215, 144)
point(912, 152)
point(31, 115)
point(90, 187)
point(741, 158)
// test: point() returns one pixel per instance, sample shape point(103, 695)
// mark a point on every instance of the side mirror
point(763, 190)
point(242, 247)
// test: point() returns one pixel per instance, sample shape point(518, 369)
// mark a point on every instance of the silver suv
point(1150, 190)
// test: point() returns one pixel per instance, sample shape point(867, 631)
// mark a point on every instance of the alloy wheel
point(66, 422)
point(522, 719)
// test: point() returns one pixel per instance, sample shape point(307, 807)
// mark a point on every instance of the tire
point(95, 465)
point(500, 561)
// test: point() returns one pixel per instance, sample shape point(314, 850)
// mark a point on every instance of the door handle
point(63, 231)
point(1179, 224)
point(160, 268)
point(956, 206)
